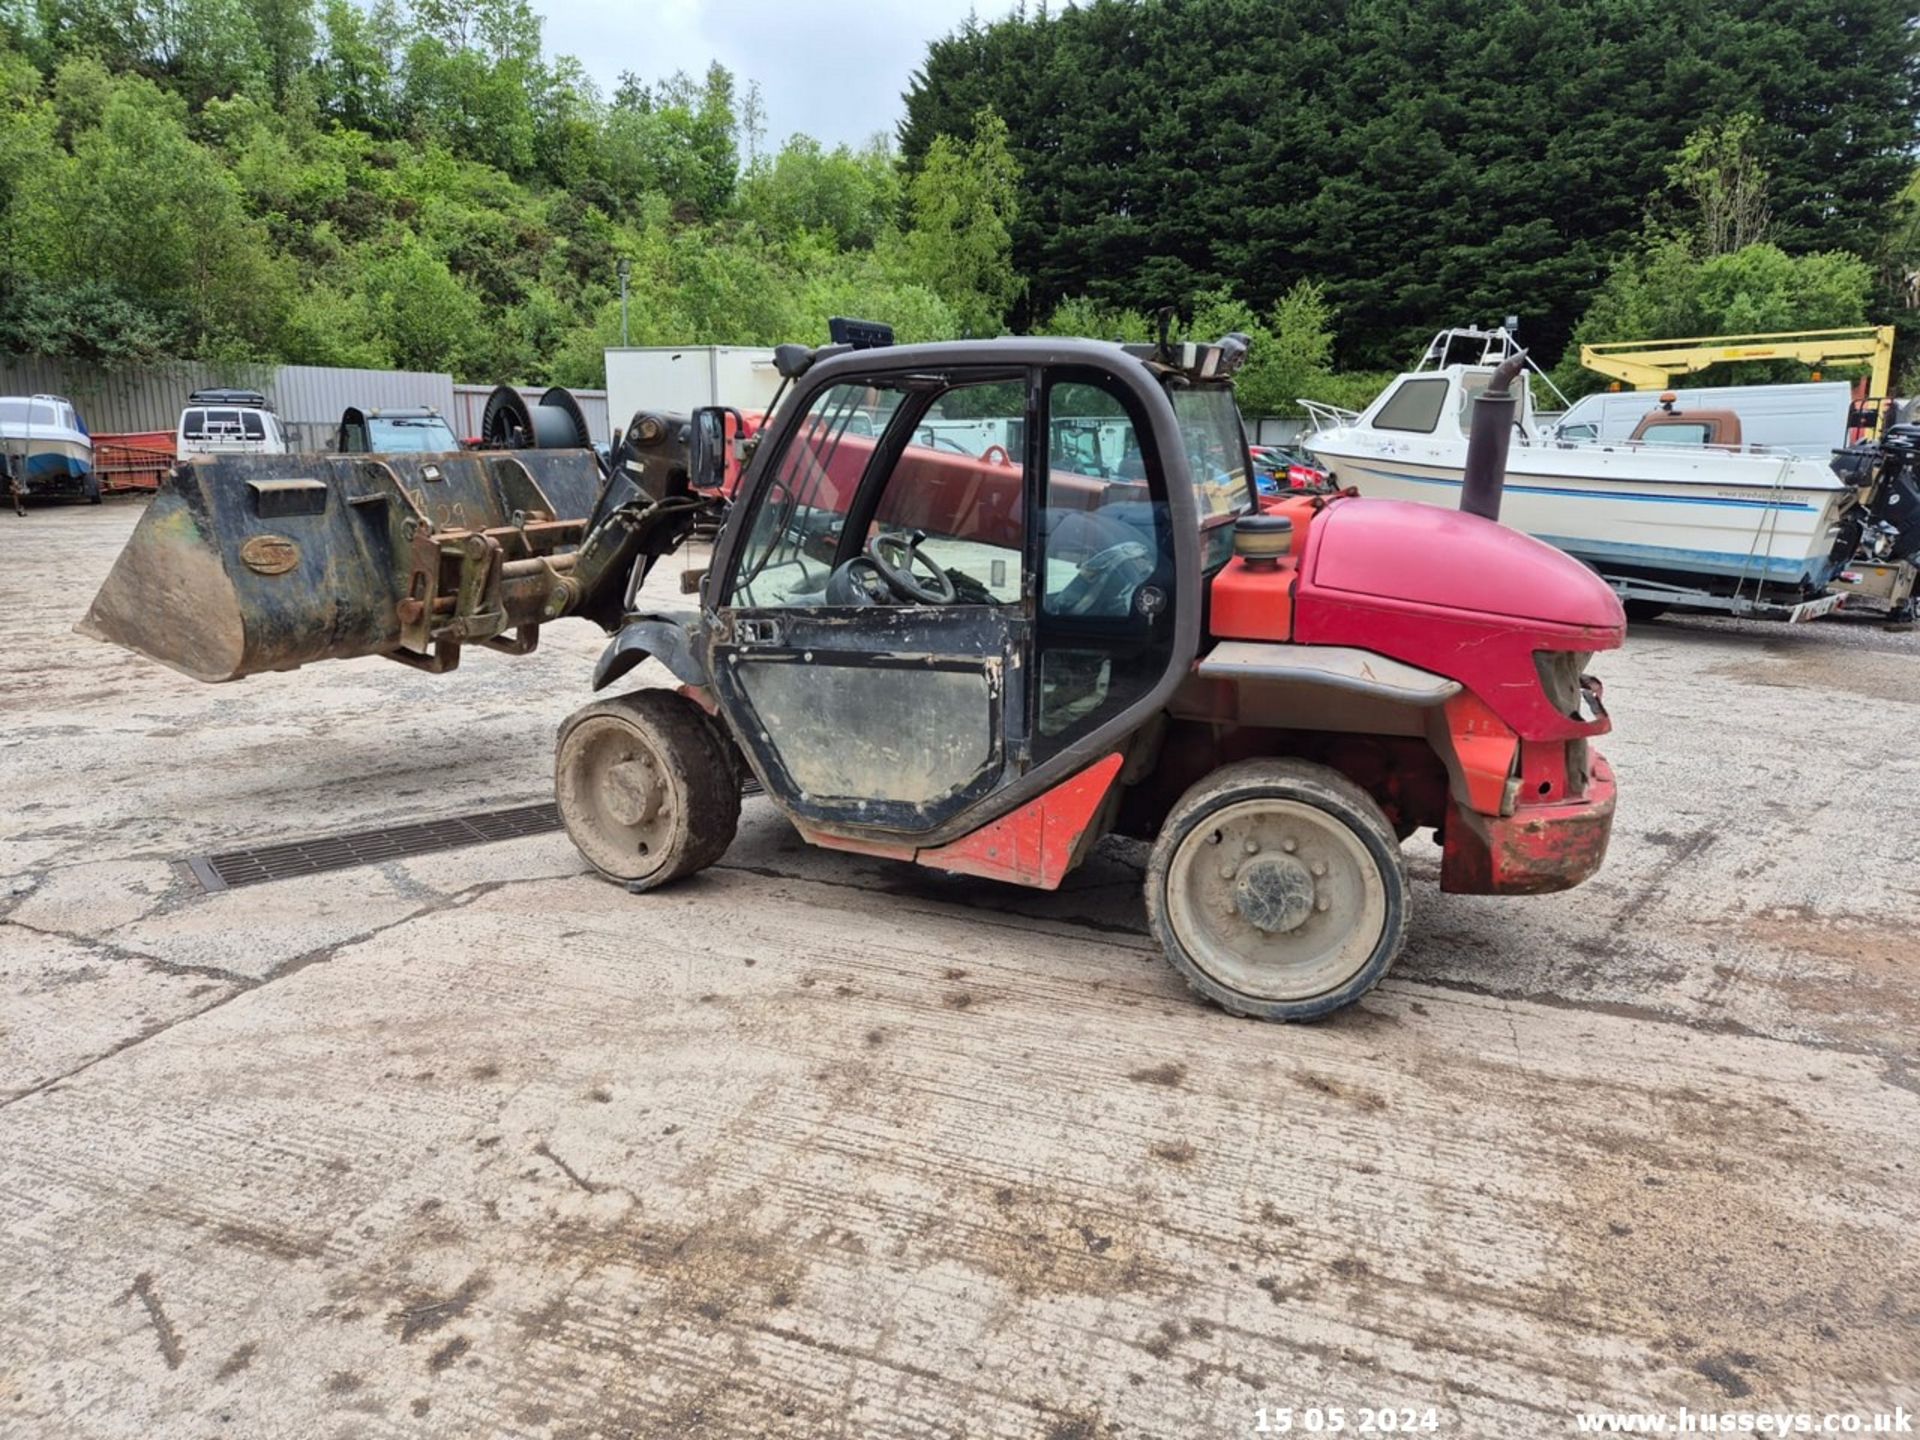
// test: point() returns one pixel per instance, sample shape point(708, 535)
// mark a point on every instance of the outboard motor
point(1887, 471)
point(1488, 438)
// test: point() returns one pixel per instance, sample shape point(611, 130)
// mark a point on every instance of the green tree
point(425, 316)
point(851, 195)
point(359, 64)
point(1720, 172)
point(141, 210)
point(1667, 291)
point(963, 201)
point(1431, 164)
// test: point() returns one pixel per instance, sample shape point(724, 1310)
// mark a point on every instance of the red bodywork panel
point(1534, 851)
point(1458, 595)
point(1472, 600)
point(1485, 748)
point(1034, 845)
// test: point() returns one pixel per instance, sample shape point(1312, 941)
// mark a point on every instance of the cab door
point(859, 706)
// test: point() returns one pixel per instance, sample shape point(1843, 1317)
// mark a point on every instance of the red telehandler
point(931, 634)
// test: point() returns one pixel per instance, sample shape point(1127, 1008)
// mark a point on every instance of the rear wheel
point(646, 788)
point(1641, 611)
point(1277, 889)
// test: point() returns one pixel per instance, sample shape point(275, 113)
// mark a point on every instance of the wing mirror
point(710, 446)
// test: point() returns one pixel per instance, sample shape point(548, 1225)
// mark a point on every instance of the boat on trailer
point(45, 449)
point(1742, 530)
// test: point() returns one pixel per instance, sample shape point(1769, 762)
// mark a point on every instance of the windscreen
point(27, 412)
point(410, 433)
point(1216, 449)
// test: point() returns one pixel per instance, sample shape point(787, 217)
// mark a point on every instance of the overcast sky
point(833, 68)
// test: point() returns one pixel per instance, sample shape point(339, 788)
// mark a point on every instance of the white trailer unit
point(680, 378)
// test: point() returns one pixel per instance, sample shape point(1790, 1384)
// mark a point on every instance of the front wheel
point(646, 787)
point(1277, 889)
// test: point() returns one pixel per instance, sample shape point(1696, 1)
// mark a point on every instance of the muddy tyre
point(1277, 889)
point(646, 788)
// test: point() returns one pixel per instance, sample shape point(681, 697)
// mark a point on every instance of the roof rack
point(250, 398)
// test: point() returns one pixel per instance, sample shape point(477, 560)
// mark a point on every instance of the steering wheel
point(996, 455)
point(893, 558)
point(1103, 578)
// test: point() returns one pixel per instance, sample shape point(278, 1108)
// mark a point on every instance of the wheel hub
point(1274, 893)
point(1275, 898)
point(633, 792)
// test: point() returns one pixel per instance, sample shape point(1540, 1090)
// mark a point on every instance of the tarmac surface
point(818, 1145)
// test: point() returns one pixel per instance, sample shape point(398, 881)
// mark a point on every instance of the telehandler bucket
point(251, 563)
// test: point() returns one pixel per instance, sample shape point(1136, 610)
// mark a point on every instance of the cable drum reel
point(554, 422)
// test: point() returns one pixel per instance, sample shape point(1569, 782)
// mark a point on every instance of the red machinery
point(975, 661)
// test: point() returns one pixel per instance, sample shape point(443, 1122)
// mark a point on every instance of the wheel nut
point(1323, 904)
point(1319, 867)
point(1253, 847)
point(1289, 845)
point(1226, 872)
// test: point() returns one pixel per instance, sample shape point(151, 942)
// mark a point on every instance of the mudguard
point(666, 637)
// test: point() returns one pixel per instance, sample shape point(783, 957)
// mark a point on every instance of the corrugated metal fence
point(308, 398)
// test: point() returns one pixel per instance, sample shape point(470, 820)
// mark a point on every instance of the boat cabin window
point(1473, 386)
point(37, 414)
point(1414, 407)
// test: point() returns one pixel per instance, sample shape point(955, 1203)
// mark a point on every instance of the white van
point(229, 422)
point(1800, 419)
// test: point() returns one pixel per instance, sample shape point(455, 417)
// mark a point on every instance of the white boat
point(45, 449)
point(1743, 525)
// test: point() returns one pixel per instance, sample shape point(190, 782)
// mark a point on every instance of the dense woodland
point(327, 182)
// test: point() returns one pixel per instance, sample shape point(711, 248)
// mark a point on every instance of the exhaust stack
point(1488, 438)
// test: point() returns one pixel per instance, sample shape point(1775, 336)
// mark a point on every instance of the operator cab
point(389, 431)
point(954, 579)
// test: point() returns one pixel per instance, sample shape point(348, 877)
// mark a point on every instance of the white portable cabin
point(681, 378)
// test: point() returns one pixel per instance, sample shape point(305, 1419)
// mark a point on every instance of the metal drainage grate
point(374, 847)
point(369, 847)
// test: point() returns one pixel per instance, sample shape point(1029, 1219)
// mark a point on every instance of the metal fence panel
point(317, 394)
point(309, 398)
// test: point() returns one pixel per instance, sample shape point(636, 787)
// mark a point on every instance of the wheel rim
point(619, 805)
point(1276, 899)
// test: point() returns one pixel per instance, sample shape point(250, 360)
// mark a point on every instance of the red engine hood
point(1457, 595)
point(1421, 555)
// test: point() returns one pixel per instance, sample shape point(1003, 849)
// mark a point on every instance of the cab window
point(801, 513)
point(1106, 570)
point(960, 482)
point(1677, 434)
point(1216, 450)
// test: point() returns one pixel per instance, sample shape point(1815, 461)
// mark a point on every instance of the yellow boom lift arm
point(1655, 364)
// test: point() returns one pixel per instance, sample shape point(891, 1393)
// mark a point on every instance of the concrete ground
point(816, 1145)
